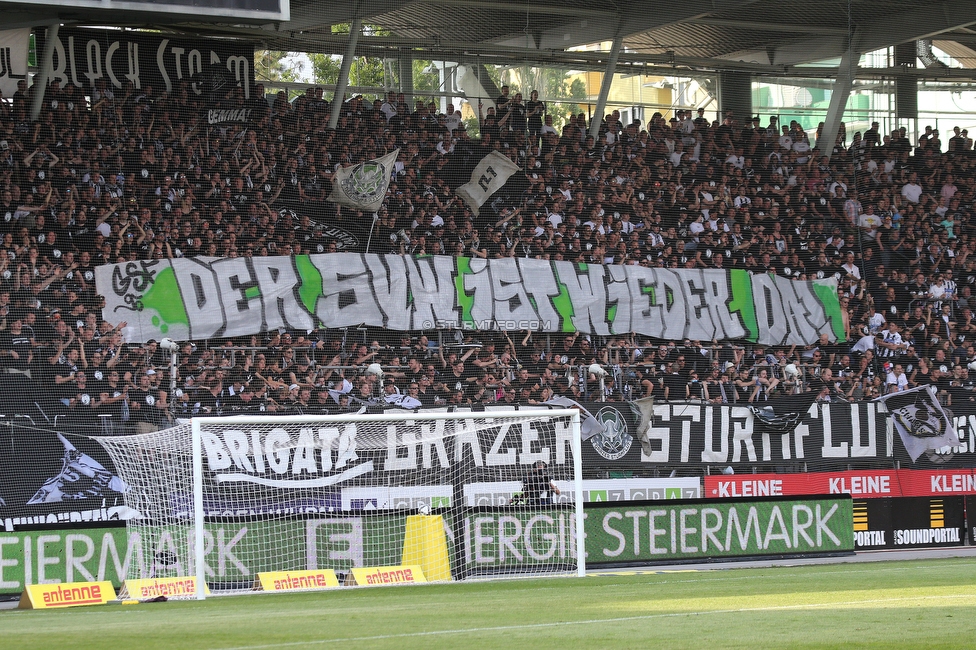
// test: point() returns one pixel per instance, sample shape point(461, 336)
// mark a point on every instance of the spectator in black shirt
point(111, 397)
point(147, 405)
point(16, 347)
point(675, 385)
point(534, 110)
point(517, 114)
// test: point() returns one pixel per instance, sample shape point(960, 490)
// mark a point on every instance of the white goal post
point(226, 498)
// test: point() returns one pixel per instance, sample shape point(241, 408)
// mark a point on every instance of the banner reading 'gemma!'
point(199, 298)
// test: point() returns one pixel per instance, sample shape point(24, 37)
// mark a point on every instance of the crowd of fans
point(112, 175)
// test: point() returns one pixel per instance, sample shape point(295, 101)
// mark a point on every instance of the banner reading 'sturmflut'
point(199, 298)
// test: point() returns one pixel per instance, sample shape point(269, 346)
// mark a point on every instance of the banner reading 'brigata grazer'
point(199, 298)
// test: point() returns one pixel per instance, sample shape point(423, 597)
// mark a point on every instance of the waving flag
point(13, 58)
point(589, 425)
point(922, 424)
point(780, 415)
point(488, 177)
point(403, 401)
point(364, 186)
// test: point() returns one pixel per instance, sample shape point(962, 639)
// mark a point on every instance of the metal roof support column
point(838, 101)
point(47, 67)
point(405, 61)
point(601, 102)
point(343, 82)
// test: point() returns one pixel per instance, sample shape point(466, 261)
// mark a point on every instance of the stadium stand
point(137, 174)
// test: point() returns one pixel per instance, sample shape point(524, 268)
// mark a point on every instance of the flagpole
point(371, 229)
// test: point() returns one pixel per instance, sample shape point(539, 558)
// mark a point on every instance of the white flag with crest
point(364, 186)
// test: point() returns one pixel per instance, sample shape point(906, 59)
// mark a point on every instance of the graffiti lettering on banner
point(330, 456)
point(198, 298)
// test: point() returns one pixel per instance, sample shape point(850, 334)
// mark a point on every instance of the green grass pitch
point(923, 604)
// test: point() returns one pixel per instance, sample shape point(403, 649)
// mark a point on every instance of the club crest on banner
point(613, 442)
point(363, 186)
point(365, 183)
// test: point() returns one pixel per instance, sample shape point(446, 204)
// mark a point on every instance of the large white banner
point(488, 177)
point(200, 298)
point(13, 59)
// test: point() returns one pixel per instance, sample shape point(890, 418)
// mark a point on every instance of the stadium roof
point(760, 36)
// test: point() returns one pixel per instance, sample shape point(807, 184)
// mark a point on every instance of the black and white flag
point(488, 177)
point(922, 423)
point(782, 414)
point(403, 401)
point(589, 425)
point(228, 115)
point(364, 186)
point(81, 477)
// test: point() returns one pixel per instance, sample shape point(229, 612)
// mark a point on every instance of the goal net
point(224, 499)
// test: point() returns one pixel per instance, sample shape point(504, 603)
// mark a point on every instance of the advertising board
point(861, 484)
point(483, 540)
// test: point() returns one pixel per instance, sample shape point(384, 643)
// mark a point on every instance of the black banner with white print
point(82, 57)
point(50, 479)
point(783, 435)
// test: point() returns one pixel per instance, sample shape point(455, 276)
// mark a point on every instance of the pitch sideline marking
point(621, 619)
